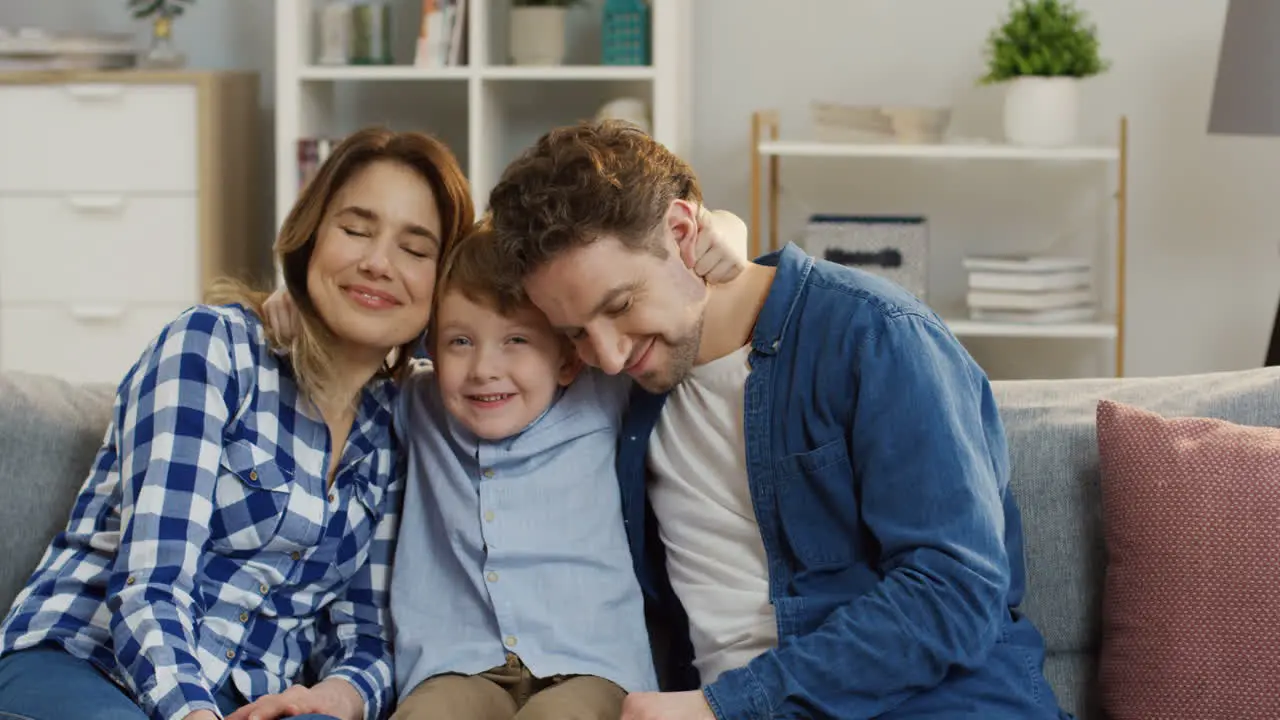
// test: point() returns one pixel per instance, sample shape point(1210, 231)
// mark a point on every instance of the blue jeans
point(49, 684)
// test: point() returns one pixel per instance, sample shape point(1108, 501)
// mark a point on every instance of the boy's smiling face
point(497, 373)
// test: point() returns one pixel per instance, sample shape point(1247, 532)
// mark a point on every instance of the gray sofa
point(49, 431)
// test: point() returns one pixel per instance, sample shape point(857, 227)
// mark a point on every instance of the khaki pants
point(510, 692)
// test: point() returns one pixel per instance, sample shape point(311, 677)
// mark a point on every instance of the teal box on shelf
point(625, 35)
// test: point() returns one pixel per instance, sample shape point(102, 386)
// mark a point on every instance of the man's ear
point(682, 221)
point(570, 365)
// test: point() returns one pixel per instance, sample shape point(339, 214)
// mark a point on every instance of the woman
point(236, 528)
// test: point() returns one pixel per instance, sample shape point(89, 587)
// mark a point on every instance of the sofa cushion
point(1054, 462)
point(1191, 515)
point(50, 431)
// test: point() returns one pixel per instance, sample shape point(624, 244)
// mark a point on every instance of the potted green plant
point(537, 31)
point(162, 53)
point(1040, 53)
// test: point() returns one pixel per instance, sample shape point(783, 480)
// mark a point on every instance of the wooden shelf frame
point(767, 150)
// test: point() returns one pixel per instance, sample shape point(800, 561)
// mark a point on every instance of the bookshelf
point(485, 108)
point(769, 148)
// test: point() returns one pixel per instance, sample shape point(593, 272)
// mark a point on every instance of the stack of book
point(442, 33)
point(1030, 289)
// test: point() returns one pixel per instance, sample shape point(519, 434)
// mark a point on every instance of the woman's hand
point(334, 697)
point(202, 715)
point(720, 253)
point(282, 315)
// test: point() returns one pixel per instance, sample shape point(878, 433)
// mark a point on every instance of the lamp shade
point(1246, 91)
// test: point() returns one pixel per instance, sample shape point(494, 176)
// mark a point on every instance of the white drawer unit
point(98, 247)
point(85, 342)
point(123, 195)
point(101, 136)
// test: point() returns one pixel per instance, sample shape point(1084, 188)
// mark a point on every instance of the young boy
point(512, 592)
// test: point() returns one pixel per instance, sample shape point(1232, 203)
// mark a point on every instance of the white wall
point(1204, 226)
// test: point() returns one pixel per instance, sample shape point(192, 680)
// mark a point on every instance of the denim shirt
point(879, 474)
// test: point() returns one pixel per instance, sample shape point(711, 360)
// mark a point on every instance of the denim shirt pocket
point(817, 506)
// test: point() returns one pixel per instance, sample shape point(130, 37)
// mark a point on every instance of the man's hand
point(282, 315)
point(690, 705)
point(720, 252)
point(334, 696)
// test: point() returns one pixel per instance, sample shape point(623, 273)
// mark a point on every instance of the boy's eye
point(459, 342)
point(519, 340)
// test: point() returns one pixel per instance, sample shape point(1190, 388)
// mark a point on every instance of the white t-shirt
point(715, 556)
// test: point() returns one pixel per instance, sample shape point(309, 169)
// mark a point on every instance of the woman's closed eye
point(356, 232)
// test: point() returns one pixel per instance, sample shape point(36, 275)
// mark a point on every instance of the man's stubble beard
point(683, 353)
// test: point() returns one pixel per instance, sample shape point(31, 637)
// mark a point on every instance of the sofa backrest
point(1054, 460)
point(50, 431)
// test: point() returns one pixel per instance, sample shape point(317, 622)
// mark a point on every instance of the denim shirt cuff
point(738, 695)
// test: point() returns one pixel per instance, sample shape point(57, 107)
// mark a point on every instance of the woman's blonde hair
point(310, 349)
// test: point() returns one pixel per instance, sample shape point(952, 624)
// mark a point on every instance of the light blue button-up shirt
point(516, 545)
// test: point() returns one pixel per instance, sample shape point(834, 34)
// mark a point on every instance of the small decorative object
point(335, 21)
point(162, 53)
point(1041, 52)
point(917, 125)
point(625, 35)
point(371, 32)
point(893, 247)
point(537, 31)
point(632, 110)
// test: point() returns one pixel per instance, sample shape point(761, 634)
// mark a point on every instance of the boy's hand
point(282, 315)
point(720, 253)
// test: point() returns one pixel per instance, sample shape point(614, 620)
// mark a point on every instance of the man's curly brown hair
point(581, 182)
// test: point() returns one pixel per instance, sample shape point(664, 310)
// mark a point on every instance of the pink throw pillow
point(1191, 607)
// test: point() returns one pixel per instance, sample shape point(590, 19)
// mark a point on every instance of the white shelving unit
point(768, 149)
point(487, 110)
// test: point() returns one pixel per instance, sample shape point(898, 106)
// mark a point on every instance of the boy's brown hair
point(471, 267)
point(580, 182)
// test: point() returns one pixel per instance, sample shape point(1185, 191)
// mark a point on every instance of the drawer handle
point(95, 91)
point(96, 202)
point(97, 313)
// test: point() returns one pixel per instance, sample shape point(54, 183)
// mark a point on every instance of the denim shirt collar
point(793, 267)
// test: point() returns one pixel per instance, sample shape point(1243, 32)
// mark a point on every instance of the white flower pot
point(1041, 111)
point(537, 35)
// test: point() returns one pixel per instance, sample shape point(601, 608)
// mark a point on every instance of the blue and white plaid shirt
point(204, 548)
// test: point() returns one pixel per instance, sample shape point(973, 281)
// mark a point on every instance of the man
point(814, 477)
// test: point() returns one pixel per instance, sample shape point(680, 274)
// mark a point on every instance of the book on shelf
point(312, 152)
point(1048, 300)
point(1083, 313)
point(1029, 281)
point(1025, 264)
point(442, 34)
